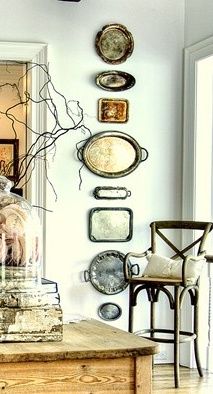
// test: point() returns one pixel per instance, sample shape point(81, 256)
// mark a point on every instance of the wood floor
point(163, 382)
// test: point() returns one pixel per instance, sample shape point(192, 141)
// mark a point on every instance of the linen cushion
point(163, 267)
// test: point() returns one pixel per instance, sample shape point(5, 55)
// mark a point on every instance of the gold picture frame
point(113, 110)
point(9, 152)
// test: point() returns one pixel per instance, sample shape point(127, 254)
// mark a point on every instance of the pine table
point(93, 357)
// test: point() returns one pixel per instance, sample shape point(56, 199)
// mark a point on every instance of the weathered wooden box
point(31, 316)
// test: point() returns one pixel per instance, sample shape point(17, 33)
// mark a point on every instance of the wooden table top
point(85, 339)
point(209, 258)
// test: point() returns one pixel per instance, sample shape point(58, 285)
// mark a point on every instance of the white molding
point(23, 51)
point(201, 49)
point(188, 138)
point(34, 53)
point(192, 55)
point(209, 350)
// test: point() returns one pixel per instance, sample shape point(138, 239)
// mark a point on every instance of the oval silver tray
point(106, 272)
point(109, 311)
point(112, 154)
point(115, 81)
point(114, 43)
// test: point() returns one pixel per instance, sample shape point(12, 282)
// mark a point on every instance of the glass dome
point(20, 242)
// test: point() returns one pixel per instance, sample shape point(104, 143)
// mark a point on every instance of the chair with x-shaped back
point(175, 277)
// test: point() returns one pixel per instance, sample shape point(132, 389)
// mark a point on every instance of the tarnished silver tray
point(110, 224)
point(111, 193)
point(106, 272)
point(115, 81)
point(114, 43)
point(109, 311)
point(112, 154)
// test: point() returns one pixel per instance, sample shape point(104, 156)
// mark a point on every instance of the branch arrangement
point(42, 142)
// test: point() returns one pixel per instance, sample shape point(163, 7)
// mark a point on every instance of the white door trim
point(192, 55)
point(33, 53)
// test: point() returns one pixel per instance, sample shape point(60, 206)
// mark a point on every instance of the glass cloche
point(20, 242)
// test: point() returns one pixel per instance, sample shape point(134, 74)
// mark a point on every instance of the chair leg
point(131, 307)
point(196, 331)
point(152, 325)
point(152, 319)
point(177, 337)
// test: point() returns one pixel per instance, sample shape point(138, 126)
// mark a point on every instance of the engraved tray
point(114, 43)
point(111, 192)
point(112, 154)
point(106, 272)
point(109, 311)
point(110, 224)
point(115, 81)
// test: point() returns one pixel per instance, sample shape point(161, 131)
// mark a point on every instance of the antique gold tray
point(113, 110)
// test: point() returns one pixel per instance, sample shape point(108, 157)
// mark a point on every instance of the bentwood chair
point(174, 277)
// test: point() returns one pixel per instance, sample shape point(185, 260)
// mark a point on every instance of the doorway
point(34, 53)
point(13, 120)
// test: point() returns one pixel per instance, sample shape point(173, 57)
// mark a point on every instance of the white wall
point(198, 21)
point(155, 101)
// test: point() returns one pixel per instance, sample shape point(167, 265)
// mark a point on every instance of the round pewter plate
point(114, 43)
point(112, 154)
point(106, 272)
point(109, 311)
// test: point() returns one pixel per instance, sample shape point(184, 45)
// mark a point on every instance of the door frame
point(192, 55)
point(35, 53)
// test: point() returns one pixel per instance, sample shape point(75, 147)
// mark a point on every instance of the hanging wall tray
point(115, 81)
point(106, 272)
point(110, 224)
point(111, 193)
point(114, 43)
point(109, 311)
point(112, 154)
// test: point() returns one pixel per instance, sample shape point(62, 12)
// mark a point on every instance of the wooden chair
point(175, 278)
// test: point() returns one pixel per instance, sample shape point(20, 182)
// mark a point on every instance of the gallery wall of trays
point(111, 154)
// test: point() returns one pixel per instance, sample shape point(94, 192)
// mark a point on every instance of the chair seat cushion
point(163, 267)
